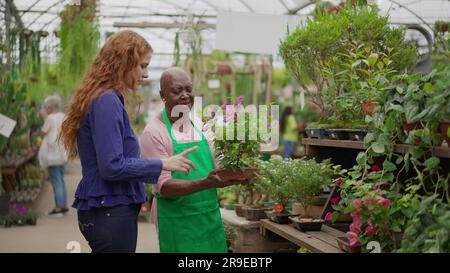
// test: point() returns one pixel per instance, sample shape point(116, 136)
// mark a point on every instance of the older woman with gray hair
point(52, 154)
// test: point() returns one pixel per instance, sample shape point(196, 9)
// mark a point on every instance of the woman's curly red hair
point(113, 68)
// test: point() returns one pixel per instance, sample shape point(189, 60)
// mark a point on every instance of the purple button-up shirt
point(113, 173)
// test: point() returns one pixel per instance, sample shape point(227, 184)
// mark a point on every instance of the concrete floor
point(61, 234)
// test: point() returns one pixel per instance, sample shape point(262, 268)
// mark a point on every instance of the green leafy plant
point(428, 230)
point(308, 178)
point(315, 47)
point(273, 179)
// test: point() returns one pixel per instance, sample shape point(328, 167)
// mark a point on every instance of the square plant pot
point(280, 218)
point(344, 245)
point(255, 214)
point(338, 134)
point(357, 135)
point(4, 203)
point(239, 209)
point(302, 225)
point(316, 133)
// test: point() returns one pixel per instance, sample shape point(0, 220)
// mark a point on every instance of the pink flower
point(339, 181)
point(239, 101)
point(357, 213)
point(367, 201)
point(375, 168)
point(384, 202)
point(356, 225)
point(357, 202)
point(371, 230)
point(376, 188)
point(335, 200)
point(353, 238)
point(21, 210)
point(328, 216)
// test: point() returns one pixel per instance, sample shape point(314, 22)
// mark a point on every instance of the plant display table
point(323, 241)
point(247, 237)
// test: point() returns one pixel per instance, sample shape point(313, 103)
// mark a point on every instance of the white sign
point(266, 31)
point(6, 125)
point(213, 84)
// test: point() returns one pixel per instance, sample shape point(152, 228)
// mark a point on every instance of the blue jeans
point(110, 230)
point(56, 174)
point(289, 148)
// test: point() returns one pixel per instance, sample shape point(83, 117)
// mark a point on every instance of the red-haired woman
point(97, 128)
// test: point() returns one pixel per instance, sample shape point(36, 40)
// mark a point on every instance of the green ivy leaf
point(361, 158)
point(389, 166)
point(378, 148)
point(432, 163)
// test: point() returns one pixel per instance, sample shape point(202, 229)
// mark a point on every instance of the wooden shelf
point(323, 241)
point(443, 152)
point(10, 167)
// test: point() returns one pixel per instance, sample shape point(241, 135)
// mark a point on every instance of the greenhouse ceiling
point(159, 20)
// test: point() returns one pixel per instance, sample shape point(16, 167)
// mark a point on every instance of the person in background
point(288, 127)
point(53, 156)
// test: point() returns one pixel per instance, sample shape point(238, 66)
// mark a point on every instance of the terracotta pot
point(223, 69)
point(442, 27)
point(369, 107)
point(344, 245)
point(228, 175)
point(408, 127)
point(443, 126)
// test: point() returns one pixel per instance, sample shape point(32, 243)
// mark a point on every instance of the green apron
point(191, 223)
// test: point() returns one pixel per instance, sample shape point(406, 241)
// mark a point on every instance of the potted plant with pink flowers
point(234, 144)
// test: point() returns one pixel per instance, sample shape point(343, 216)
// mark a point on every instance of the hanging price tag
point(6, 125)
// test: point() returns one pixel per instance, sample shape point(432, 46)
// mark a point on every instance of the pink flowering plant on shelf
point(237, 134)
point(379, 211)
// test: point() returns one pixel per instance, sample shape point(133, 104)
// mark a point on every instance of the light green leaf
point(428, 87)
point(389, 166)
point(373, 58)
point(378, 148)
point(432, 163)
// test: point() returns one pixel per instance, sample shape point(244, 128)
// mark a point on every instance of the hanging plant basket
point(187, 35)
point(224, 69)
point(43, 33)
point(27, 33)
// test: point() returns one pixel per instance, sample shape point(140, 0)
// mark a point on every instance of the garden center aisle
point(52, 234)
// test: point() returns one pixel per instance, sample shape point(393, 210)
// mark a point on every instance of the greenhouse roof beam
point(211, 5)
point(14, 12)
point(30, 7)
point(42, 13)
point(285, 6)
point(159, 25)
point(301, 6)
point(247, 5)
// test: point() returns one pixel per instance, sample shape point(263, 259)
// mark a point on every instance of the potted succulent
point(308, 179)
point(272, 180)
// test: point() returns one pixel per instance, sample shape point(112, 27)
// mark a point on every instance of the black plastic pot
point(238, 208)
point(31, 221)
point(316, 133)
point(280, 218)
point(356, 134)
point(315, 225)
point(4, 203)
point(255, 214)
point(338, 134)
